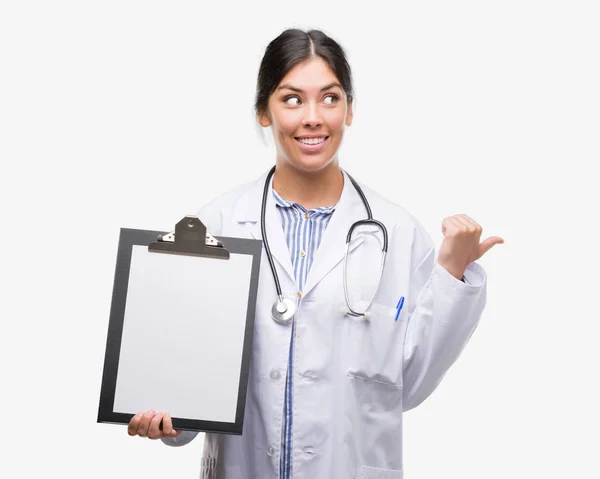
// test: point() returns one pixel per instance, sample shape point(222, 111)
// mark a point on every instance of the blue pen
point(399, 307)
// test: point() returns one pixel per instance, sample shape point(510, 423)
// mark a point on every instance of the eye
point(292, 100)
point(331, 99)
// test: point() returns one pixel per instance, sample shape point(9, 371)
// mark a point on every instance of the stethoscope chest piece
point(283, 310)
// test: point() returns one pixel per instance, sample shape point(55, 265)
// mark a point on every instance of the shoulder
point(216, 211)
point(398, 221)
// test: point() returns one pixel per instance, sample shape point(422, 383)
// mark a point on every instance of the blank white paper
point(183, 335)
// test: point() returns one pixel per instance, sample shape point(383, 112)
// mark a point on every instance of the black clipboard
point(125, 378)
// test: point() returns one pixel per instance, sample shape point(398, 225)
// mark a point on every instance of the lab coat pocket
point(376, 345)
point(365, 472)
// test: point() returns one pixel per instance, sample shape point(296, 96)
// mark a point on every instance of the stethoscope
point(283, 309)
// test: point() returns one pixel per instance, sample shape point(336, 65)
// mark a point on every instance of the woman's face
point(307, 113)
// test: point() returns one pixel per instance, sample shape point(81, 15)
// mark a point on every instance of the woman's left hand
point(461, 246)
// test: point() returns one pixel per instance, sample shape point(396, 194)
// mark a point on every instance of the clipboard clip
point(190, 238)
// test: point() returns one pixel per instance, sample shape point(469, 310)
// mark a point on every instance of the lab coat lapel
point(333, 244)
point(275, 235)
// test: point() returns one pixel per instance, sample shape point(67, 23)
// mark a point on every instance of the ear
point(350, 114)
point(264, 120)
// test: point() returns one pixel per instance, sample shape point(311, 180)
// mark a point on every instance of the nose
point(312, 117)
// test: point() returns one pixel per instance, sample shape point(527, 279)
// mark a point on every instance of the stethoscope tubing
point(263, 231)
point(281, 311)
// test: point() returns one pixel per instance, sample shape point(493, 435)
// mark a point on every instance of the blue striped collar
point(288, 204)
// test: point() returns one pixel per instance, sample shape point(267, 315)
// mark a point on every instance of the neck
point(310, 189)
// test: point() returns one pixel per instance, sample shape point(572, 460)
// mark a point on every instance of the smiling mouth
point(311, 141)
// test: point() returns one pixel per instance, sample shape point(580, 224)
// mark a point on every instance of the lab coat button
point(275, 374)
point(309, 450)
point(310, 375)
point(271, 451)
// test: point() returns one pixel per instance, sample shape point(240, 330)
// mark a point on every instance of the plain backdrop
point(135, 113)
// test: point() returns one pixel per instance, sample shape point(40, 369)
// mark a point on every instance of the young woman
point(333, 367)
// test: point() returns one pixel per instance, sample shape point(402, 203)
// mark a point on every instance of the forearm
point(446, 314)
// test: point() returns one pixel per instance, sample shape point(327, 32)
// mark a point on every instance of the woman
point(327, 391)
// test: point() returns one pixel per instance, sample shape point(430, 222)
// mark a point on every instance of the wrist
point(453, 270)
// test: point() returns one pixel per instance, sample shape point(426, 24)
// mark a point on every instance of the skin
point(460, 246)
point(310, 101)
point(147, 424)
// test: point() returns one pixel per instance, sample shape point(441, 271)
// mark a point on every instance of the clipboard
point(180, 329)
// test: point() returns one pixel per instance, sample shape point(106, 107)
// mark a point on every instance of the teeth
point(312, 141)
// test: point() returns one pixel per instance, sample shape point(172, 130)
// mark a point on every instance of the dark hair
point(292, 47)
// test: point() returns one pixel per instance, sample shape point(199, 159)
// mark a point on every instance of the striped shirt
point(303, 230)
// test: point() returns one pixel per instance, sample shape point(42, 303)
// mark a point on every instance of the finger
point(451, 226)
point(145, 423)
point(134, 423)
point(154, 429)
point(468, 223)
point(168, 426)
point(485, 246)
point(467, 217)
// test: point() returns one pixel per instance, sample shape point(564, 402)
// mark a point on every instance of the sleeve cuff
point(473, 278)
point(184, 438)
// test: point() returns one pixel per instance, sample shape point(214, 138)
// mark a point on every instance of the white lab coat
point(353, 378)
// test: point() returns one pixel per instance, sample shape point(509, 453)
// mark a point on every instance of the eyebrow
point(298, 90)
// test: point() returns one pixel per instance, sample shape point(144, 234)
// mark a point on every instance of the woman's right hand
point(147, 424)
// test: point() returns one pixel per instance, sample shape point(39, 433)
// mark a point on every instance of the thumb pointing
point(485, 246)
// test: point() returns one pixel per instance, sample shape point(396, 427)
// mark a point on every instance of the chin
point(311, 164)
